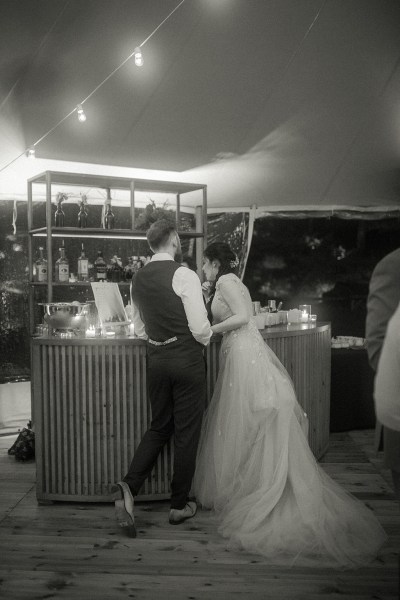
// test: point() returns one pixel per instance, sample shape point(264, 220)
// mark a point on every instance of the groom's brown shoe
point(124, 504)
point(177, 516)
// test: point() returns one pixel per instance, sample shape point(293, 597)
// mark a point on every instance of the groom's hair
point(159, 233)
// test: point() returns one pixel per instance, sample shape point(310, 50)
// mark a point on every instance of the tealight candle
point(305, 312)
point(91, 332)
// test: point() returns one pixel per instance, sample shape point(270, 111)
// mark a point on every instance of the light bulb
point(81, 113)
point(138, 57)
point(30, 153)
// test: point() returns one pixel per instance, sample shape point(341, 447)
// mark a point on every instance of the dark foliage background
point(325, 262)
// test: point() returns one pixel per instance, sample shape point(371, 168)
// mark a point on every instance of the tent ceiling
point(292, 102)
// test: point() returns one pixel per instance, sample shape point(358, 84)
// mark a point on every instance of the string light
point(81, 113)
point(137, 54)
point(138, 57)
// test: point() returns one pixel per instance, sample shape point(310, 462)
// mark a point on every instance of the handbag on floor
point(24, 446)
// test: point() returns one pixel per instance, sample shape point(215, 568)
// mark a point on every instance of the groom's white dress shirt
point(186, 284)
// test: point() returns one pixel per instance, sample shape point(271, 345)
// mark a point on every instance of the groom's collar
point(161, 256)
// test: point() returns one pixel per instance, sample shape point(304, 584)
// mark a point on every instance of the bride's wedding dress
point(255, 467)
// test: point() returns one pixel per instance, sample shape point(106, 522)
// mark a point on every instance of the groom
point(168, 311)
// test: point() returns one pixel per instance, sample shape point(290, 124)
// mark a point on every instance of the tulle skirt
point(256, 470)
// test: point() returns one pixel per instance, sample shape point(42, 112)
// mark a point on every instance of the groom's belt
point(173, 339)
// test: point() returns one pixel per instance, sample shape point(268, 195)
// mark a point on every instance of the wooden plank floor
point(75, 551)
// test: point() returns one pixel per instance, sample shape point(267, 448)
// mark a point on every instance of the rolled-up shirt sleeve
point(138, 324)
point(186, 284)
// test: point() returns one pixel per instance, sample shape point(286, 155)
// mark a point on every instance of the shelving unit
point(134, 186)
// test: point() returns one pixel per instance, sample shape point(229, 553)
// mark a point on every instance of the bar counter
point(90, 407)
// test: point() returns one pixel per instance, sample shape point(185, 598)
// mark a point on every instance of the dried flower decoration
point(234, 263)
point(153, 213)
point(61, 196)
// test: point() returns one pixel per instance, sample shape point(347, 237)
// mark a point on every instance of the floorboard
point(73, 551)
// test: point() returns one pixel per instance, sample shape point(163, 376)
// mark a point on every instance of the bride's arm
point(232, 295)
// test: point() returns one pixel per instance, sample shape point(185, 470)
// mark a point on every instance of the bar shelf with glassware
point(192, 216)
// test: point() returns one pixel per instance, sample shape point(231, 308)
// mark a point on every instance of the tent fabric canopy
point(278, 103)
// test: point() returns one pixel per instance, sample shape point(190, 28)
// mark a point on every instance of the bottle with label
point(62, 267)
point(59, 215)
point(83, 266)
point(41, 267)
point(82, 215)
point(109, 218)
point(135, 264)
point(100, 267)
point(129, 269)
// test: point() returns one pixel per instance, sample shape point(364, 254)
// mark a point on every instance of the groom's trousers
point(177, 391)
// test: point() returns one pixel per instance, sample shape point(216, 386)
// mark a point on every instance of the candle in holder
point(294, 316)
point(305, 312)
point(91, 332)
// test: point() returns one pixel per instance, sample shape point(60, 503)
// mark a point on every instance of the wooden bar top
point(277, 331)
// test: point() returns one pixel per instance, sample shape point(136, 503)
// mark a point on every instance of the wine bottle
point(109, 218)
point(41, 267)
point(100, 267)
point(62, 267)
point(59, 215)
point(83, 266)
point(82, 215)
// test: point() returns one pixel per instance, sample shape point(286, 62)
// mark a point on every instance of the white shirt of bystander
point(387, 380)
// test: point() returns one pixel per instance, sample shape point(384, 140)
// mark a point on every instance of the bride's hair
point(227, 258)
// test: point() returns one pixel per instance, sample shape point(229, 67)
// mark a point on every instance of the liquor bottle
point(135, 264)
point(41, 267)
point(91, 271)
point(83, 266)
point(82, 215)
point(100, 267)
point(129, 269)
point(115, 271)
point(59, 215)
point(109, 218)
point(62, 267)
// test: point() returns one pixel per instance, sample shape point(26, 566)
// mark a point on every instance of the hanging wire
point(95, 89)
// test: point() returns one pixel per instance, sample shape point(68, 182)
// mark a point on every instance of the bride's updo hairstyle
point(227, 258)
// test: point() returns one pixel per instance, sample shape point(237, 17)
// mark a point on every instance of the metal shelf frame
point(133, 185)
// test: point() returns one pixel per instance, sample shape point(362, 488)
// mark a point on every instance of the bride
point(254, 465)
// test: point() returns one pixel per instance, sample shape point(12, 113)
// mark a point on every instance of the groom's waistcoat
point(161, 310)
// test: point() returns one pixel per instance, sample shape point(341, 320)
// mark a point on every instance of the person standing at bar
point(168, 311)
point(383, 299)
